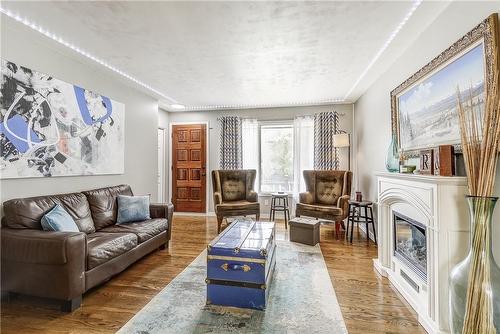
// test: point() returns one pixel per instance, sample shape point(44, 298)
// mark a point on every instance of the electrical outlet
point(266, 202)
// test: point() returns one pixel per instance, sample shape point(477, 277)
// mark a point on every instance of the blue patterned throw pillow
point(58, 220)
point(132, 209)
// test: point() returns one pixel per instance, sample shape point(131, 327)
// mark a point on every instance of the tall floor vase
point(476, 305)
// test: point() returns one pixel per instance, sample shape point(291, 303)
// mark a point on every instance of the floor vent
point(409, 280)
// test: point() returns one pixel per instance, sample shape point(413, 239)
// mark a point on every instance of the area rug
point(302, 300)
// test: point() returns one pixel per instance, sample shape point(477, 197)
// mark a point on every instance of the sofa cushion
point(237, 206)
point(102, 247)
point(144, 230)
point(333, 210)
point(103, 204)
point(28, 212)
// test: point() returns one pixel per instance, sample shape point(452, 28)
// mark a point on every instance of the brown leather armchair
point(327, 196)
point(234, 194)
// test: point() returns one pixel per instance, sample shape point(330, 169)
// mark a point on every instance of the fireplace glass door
point(410, 244)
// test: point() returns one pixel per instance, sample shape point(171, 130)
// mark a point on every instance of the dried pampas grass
point(480, 135)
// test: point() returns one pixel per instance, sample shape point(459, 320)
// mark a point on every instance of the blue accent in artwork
point(84, 110)
point(58, 220)
point(132, 209)
point(18, 133)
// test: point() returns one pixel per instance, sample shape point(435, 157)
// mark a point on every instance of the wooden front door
point(189, 167)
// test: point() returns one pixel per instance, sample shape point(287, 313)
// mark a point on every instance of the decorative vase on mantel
point(480, 212)
point(392, 159)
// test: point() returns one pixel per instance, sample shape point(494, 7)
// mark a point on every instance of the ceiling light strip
point(416, 3)
point(84, 53)
point(258, 106)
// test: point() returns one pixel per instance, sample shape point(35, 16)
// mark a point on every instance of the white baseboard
point(378, 267)
point(362, 227)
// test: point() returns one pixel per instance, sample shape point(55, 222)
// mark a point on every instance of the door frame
point(208, 185)
point(165, 192)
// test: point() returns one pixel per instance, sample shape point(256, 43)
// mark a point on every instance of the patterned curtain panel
point(326, 124)
point(231, 156)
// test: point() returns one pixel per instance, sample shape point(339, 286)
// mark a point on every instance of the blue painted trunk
point(240, 265)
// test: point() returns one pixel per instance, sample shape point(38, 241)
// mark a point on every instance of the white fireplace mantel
point(438, 203)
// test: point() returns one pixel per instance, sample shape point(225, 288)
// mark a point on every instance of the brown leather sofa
point(327, 196)
point(234, 194)
point(64, 265)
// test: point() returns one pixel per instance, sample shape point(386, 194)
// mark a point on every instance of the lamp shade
point(341, 140)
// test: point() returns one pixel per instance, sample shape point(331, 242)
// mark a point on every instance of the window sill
point(269, 194)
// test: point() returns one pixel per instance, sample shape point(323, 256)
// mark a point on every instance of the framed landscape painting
point(49, 127)
point(424, 107)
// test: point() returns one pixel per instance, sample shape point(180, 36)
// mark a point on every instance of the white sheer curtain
point(250, 138)
point(303, 151)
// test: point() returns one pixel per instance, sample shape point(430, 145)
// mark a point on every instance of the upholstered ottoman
point(304, 230)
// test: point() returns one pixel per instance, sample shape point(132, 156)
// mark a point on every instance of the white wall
point(29, 48)
point(373, 109)
point(346, 121)
point(163, 122)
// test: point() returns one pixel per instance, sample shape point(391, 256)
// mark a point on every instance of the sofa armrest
point(306, 198)
point(217, 198)
point(44, 264)
point(252, 196)
point(343, 203)
point(41, 247)
point(163, 210)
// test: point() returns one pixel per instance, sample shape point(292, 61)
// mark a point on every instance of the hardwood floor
point(368, 303)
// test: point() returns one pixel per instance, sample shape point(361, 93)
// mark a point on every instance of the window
point(279, 151)
point(276, 163)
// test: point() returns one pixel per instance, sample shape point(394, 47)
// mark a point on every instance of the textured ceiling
point(229, 53)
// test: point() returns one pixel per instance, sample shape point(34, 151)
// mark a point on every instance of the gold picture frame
point(485, 34)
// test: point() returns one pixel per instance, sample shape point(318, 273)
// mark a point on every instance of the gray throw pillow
point(132, 209)
point(59, 220)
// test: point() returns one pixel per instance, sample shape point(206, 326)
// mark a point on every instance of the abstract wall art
point(49, 127)
point(424, 107)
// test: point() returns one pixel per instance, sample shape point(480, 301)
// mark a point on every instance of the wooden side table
point(279, 203)
point(356, 216)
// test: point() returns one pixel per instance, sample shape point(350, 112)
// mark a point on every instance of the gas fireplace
point(410, 245)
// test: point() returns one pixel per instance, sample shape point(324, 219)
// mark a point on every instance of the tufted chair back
point(327, 186)
point(233, 185)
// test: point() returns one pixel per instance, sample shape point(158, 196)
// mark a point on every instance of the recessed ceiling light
point(84, 53)
point(178, 106)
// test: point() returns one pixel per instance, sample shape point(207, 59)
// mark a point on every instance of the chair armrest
point(343, 203)
point(217, 198)
point(252, 196)
point(306, 198)
point(42, 247)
